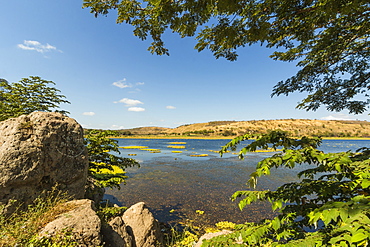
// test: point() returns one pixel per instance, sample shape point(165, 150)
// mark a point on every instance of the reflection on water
point(182, 184)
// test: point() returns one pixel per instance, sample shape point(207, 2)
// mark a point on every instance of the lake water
point(175, 185)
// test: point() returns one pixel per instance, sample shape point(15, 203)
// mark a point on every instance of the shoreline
point(226, 137)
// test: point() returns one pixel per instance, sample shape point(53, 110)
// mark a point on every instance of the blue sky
point(113, 82)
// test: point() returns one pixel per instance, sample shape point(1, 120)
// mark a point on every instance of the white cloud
point(122, 83)
point(117, 127)
point(32, 45)
point(89, 113)
point(130, 102)
point(137, 109)
point(338, 116)
point(170, 107)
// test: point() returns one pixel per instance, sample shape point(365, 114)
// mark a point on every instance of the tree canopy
point(28, 95)
point(329, 39)
point(105, 167)
point(329, 203)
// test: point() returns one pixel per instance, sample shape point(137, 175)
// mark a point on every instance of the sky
point(113, 82)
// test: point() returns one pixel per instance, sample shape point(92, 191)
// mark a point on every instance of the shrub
point(328, 206)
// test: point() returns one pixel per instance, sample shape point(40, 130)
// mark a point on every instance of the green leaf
point(359, 236)
point(365, 183)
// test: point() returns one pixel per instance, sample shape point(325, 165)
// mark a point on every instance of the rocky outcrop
point(137, 228)
point(81, 222)
point(38, 151)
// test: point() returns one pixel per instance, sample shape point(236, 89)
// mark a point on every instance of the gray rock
point(136, 228)
point(82, 222)
point(117, 234)
point(211, 235)
point(145, 228)
point(37, 152)
point(93, 191)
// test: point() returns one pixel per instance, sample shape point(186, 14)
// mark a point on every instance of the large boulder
point(136, 228)
point(145, 228)
point(39, 151)
point(81, 222)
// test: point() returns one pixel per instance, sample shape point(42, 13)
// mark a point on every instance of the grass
point(21, 227)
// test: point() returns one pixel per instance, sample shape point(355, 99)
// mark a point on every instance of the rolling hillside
point(296, 127)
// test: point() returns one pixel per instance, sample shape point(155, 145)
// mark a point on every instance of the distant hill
point(296, 127)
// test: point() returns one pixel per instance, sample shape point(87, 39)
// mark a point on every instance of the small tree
point(107, 169)
point(329, 205)
point(28, 95)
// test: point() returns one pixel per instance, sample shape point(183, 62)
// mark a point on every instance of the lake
point(175, 185)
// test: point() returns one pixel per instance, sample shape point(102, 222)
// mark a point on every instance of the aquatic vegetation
point(176, 151)
point(151, 149)
point(225, 225)
point(200, 212)
point(131, 154)
point(177, 143)
point(176, 146)
point(198, 155)
point(133, 147)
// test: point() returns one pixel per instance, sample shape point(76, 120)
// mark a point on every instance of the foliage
point(28, 95)
point(176, 237)
point(106, 168)
point(187, 239)
point(328, 205)
point(108, 213)
point(328, 38)
point(225, 225)
point(21, 228)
